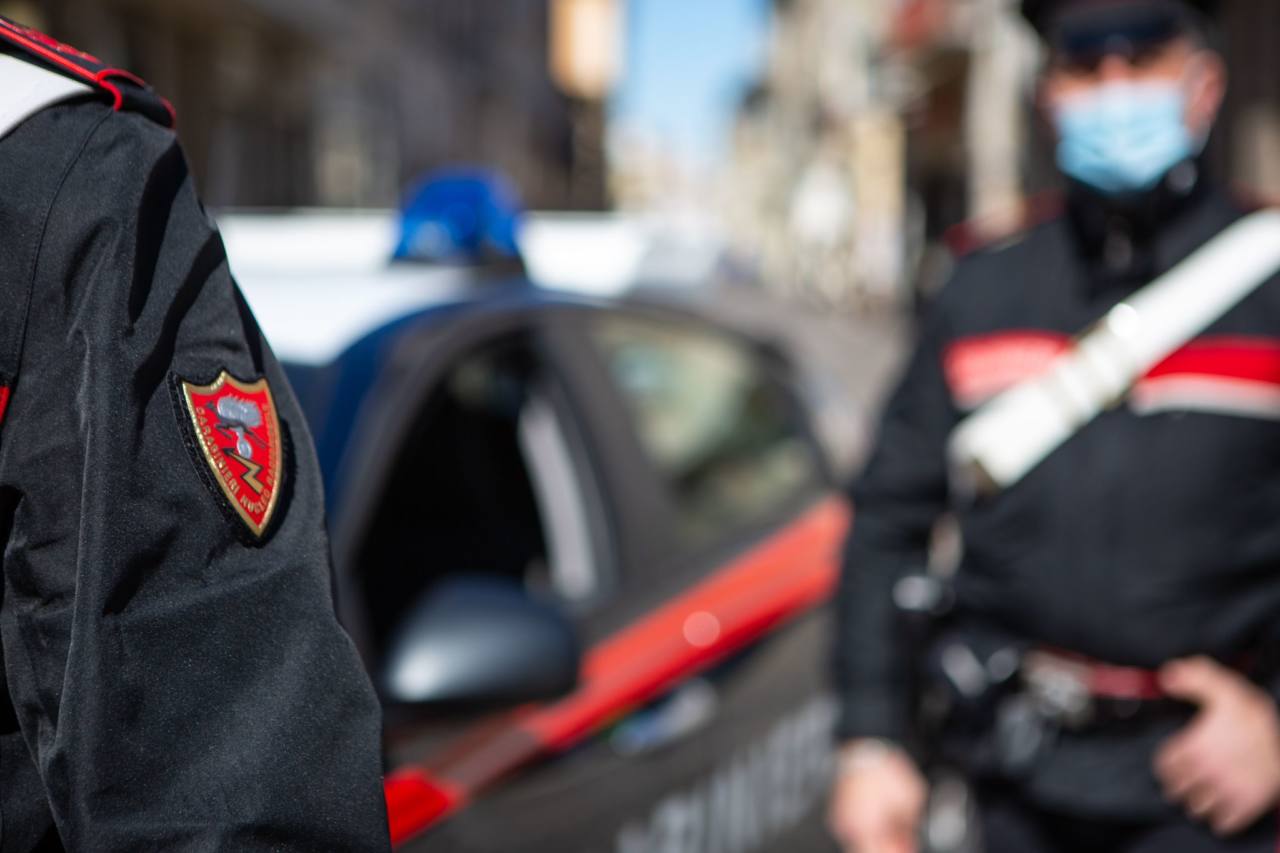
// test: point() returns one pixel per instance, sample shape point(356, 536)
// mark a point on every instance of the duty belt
point(1056, 693)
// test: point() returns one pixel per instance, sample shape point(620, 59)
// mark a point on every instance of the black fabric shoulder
point(127, 165)
point(989, 266)
point(35, 160)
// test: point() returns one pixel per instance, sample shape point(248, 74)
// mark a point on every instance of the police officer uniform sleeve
point(897, 499)
point(180, 680)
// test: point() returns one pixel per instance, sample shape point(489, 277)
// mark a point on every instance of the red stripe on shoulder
point(86, 67)
point(49, 49)
point(44, 39)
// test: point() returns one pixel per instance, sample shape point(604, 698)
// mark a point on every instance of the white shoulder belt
point(26, 89)
point(997, 445)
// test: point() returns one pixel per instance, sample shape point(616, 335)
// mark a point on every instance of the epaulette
point(974, 235)
point(125, 91)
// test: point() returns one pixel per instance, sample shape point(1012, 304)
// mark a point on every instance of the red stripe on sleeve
point(4, 401)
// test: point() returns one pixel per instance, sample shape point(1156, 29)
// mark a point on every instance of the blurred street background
point(800, 170)
point(815, 151)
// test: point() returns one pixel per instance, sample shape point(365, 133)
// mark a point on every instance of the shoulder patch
point(238, 439)
point(126, 91)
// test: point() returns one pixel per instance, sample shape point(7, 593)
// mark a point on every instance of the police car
point(582, 543)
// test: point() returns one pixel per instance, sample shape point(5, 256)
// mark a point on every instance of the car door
point(463, 459)
point(701, 723)
point(736, 755)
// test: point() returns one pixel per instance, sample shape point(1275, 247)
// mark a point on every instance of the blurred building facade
point(875, 126)
point(1248, 144)
point(326, 102)
point(857, 124)
point(878, 125)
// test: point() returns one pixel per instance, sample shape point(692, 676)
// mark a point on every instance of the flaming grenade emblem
point(238, 431)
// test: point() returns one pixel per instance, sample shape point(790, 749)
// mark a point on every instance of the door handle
point(689, 708)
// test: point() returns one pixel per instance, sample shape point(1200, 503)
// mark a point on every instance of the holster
point(969, 709)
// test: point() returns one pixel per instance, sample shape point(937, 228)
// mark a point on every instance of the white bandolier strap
point(26, 90)
point(997, 445)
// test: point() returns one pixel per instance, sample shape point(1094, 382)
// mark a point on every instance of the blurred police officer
point(1117, 608)
point(175, 677)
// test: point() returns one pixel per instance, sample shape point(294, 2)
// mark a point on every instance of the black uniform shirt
point(175, 682)
point(1150, 535)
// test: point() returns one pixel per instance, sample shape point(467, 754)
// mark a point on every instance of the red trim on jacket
point(4, 401)
point(1256, 359)
point(979, 367)
point(63, 56)
point(1221, 375)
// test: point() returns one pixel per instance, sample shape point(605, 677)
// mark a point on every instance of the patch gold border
point(273, 434)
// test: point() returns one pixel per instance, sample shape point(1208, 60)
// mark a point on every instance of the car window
point(721, 430)
point(486, 482)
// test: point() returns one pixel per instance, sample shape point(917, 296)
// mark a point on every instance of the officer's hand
point(878, 799)
point(1224, 766)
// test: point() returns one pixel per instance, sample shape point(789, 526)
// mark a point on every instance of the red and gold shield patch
point(237, 430)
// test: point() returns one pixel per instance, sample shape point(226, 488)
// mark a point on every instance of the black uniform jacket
point(175, 682)
point(1152, 534)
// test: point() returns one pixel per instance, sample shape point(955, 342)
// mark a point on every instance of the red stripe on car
point(785, 576)
point(416, 800)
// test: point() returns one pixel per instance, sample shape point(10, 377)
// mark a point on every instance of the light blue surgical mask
point(1124, 136)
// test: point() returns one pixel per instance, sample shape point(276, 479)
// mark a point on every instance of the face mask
point(1124, 137)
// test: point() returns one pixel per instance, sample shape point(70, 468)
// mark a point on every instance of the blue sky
point(688, 63)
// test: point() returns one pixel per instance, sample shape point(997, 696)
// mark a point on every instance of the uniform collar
point(1128, 240)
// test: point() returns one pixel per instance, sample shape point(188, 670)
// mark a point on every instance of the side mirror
point(479, 641)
